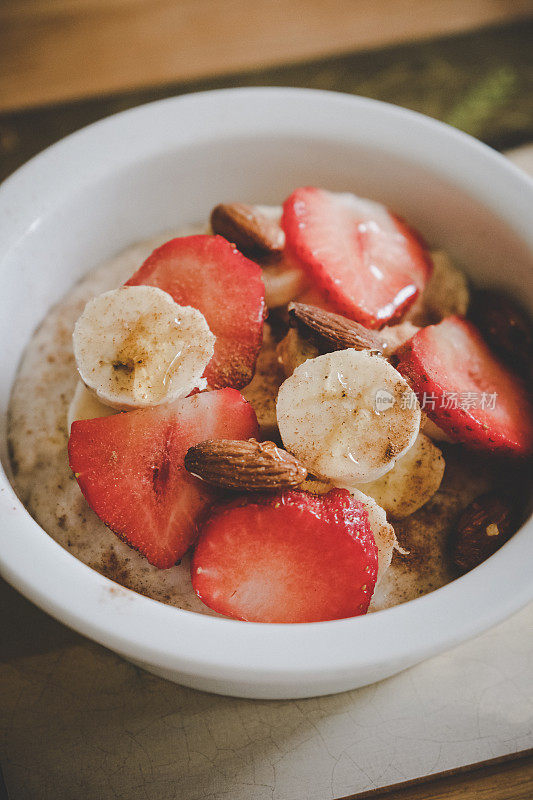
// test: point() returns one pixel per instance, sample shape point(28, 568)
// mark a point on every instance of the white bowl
point(168, 163)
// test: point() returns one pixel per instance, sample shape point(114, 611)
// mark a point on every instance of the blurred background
point(64, 63)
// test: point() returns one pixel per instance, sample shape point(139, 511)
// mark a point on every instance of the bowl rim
point(137, 626)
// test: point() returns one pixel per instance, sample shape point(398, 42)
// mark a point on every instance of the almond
point(333, 331)
point(252, 232)
point(484, 526)
point(244, 465)
point(506, 328)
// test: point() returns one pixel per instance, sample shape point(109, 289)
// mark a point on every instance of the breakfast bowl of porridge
point(266, 378)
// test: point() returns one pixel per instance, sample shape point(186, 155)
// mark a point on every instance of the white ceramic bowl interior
point(168, 163)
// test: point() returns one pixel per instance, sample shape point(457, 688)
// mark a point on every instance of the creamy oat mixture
point(38, 438)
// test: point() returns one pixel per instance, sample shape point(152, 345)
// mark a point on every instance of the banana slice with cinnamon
point(136, 347)
point(348, 416)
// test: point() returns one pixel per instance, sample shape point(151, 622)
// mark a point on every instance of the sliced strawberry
point(365, 262)
point(291, 557)
point(130, 468)
point(465, 390)
point(210, 274)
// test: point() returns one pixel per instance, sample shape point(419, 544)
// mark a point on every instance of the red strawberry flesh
point(292, 557)
point(130, 468)
point(466, 390)
point(210, 274)
point(365, 262)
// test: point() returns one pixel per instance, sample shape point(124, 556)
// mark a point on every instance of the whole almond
point(506, 328)
point(253, 233)
point(484, 526)
point(333, 331)
point(244, 465)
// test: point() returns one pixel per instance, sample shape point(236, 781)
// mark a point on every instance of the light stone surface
point(80, 722)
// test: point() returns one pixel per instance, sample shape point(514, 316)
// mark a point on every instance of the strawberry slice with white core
point(365, 262)
point(465, 390)
point(210, 274)
point(291, 557)
point(130, 468)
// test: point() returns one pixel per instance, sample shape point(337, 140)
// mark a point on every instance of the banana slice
point(411, 482)
point(136, 347)
point(383, 531)
point(348, 416)
point(428, 427)
point(446, 293)
point(86, 405)
point(272, 212)
point(396, 335)
point(294, 350)
point(283, 283)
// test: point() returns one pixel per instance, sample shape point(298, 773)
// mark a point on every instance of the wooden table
point(480, 81)
point(65, 49)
